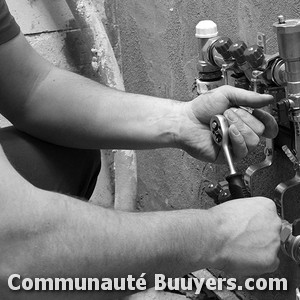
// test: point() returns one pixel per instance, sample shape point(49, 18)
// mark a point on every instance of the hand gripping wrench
point(219, 129)
point(290, 233)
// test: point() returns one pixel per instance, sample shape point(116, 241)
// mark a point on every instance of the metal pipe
point(105, 64)
point(288, 37)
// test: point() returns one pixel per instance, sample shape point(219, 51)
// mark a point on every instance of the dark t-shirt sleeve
point(8, 26)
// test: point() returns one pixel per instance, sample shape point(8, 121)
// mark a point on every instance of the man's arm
point(45, 234)
point(67, 109)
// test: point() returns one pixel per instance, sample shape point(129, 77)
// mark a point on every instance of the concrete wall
point(158, 57)
point(155, 45)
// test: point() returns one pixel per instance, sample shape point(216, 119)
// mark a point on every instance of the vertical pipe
point(105, 63)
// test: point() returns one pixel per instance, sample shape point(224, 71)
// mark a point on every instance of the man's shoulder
point(8, 26)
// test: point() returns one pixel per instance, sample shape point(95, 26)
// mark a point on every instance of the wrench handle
point(237, 186)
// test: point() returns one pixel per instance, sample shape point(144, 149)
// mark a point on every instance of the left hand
point(245, 129)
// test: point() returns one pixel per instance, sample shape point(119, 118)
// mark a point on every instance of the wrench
point(219, 129)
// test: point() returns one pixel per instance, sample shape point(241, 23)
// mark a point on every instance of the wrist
point(171, 126)
point(182, 124)
point(221, 230)
point(204, 226)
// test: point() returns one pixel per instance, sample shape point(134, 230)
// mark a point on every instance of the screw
point(225, 74)
point(255, 74)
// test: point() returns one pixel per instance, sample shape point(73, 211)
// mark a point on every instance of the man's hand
point(245, 129)
point(251, 236)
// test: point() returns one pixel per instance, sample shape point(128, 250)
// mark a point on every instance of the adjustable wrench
point(219, 129)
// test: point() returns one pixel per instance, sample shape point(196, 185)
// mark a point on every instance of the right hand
point(245, 129)
point(251, 236)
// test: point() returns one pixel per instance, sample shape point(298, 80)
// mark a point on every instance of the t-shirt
point(8, 26)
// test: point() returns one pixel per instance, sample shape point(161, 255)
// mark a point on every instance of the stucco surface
point(159, 57)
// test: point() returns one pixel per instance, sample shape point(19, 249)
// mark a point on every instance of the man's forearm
point(51, 235)
point(67, 109)
point(73, 111)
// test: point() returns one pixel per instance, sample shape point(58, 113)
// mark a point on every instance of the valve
point(255, 56)
point(210, 75)
point(237, 51)
point(222, 46)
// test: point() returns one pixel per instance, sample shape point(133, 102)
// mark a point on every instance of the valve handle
point(255, 56)
point(237, 51)
point(222, 46)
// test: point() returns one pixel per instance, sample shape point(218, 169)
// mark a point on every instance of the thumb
point(237, 97)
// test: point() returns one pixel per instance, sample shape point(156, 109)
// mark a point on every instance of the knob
point(254, 56)
point(237, 51)
point(222, 46)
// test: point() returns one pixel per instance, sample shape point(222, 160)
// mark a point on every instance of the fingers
point(239, 147)
point(246, 129)
point(243, 97)
point(249, 128)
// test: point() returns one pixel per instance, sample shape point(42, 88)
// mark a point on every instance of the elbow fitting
point(207, 34)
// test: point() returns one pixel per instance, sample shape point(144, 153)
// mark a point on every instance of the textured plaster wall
point(158, 57)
